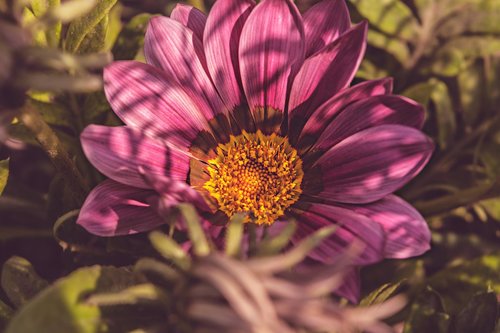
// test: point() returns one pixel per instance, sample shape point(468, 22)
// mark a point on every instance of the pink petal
point(221, 41)
point(173, 192)
point(406, 232)
point(325, 22)
point(370, 112)
point(145, 98)
point(370, 164)
point(191, 18)
point(119, 152)
point(114, 209)
point(322, 117)
point(351, 287)
point(174, 48)
point(271, 47)
point(352, 228)
point(327, 72)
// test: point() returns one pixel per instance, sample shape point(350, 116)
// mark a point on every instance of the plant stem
point(58, 155)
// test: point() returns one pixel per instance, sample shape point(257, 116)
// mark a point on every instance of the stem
point(58, 155)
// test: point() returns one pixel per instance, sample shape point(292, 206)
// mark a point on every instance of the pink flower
point(250, 109)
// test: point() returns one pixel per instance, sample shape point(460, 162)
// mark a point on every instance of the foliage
point(443, 53)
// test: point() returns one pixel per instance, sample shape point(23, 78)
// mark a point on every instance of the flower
point(249, 109)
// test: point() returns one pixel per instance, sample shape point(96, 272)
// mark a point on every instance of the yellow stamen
point(257, 174)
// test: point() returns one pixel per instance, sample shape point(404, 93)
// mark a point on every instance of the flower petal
point(322, 117)
point(327, 72)
point(221, 41)
point(351, 287)
point(370, 112)
point(191, 18)
point(174, 48)
point(352, 227)
point(271, 47)
point(406, 232)
point(147, 99)
point(324, 22)
point(370, 164)
point(114, 209)
point(119, 152)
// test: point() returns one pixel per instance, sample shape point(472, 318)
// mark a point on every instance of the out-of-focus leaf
point(81, 28)
point(444, 113)
point(70, 10)
point(480, 314)
point(114, 26)
point(492, 207)
point(95, 40)
point(58, 82)
point(62, 306)
point(39, 36)
point(4, 174)
point(5, 314)
point(394, 46)
point(275, 244)
point(427, 314)
point(53, 113)
point(20, 281)
point(53, 32)
point(234, 235)
point(169, 249)
point(389, 16)
point(448, 62)
point(196, 233)
point(458, 283)
point(131, 38)
point(420, 92)
point(381, 294)
point(369, 71)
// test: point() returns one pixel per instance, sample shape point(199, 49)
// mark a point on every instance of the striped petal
point(369, 165)
point(147, 99)
point(191, 18)
point(271, 47)
point(221, 41)
point(114, 209)
point(324, 22)
point(119, 153)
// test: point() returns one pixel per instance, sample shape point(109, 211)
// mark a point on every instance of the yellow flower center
point(257, 174)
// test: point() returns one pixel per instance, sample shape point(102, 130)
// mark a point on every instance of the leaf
point(4, 174)
point(390, 16)
point(53, 113)
point(82, 27)
point(62, 306)
point(169, 249)
point(459, 282)
point(427, 314)
point(445, 115)
point(5, 314)
point(473, 92)
point(196, 233)
point(131, 38)
point(96, 39)
point(234, 235)
point(381, 294)
point(273, 245)
point(20, 281)
point(480, 314)
point(492, 207)
point(53, 32)
point(394, 46)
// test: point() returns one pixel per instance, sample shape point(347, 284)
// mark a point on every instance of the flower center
point(256, 174)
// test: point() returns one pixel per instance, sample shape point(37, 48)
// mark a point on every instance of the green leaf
point(88, 24)
point(445, 115)
point(53, 113)
point(96, 39)
point(53, 32)
point(5, 314)
point(62, 306)
point(234, 235)
point(480, 314)
point(394, 46)
point(196, 233)
point(390, 16)
point(4, 174)
point(381, 294)
point(20, 281)
point(427, 314)
point(459, 282)
point(274, 245)
point(169, 249)
point(131, 38)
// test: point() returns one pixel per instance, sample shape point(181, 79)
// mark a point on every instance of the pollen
point(255, 174)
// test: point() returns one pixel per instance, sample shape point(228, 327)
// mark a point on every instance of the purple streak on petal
point(172, 192)
point(352, 227)
point(406, 232)
point(146, 98)
point(118, 152)
point(221, 41)
point(324, 22)
point(114, 209)
point(327, 72)
point(371, 164)
point(370, 112)
point(191, 18)
point(176, 50)
point(323, 116)
point(351, 287)
point(271, 47)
